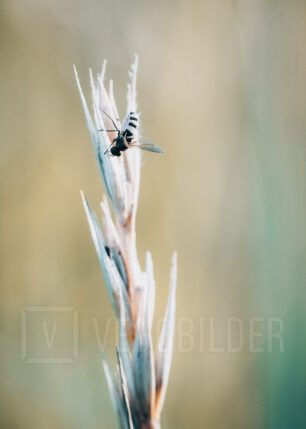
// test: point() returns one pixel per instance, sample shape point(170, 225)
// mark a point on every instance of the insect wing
point(148, 146)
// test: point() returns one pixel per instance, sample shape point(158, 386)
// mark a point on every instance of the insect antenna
point(117, 129)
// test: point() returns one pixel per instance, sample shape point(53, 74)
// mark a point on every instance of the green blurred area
point(222, 90)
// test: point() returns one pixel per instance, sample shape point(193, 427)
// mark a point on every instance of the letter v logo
point(49, 337)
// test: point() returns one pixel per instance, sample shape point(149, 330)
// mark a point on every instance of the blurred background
point(222, 90)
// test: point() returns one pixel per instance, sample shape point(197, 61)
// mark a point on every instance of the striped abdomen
point(131, 129)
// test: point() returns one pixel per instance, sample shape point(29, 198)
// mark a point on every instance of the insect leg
point(112, 143)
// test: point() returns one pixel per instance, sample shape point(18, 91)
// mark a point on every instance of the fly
point(127, 136)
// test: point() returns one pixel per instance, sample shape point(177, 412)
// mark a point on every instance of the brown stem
point(151, 425)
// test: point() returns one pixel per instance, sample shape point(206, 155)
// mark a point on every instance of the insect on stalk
point(139, 386)
point(128, 136)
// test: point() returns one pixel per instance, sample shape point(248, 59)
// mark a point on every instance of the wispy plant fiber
point(139, 385)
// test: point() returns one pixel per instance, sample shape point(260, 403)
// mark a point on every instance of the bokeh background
point(222, 89)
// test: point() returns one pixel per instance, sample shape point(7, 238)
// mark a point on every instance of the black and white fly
point(128, 136)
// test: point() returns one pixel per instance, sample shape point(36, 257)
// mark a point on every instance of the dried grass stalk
point(139, 385)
